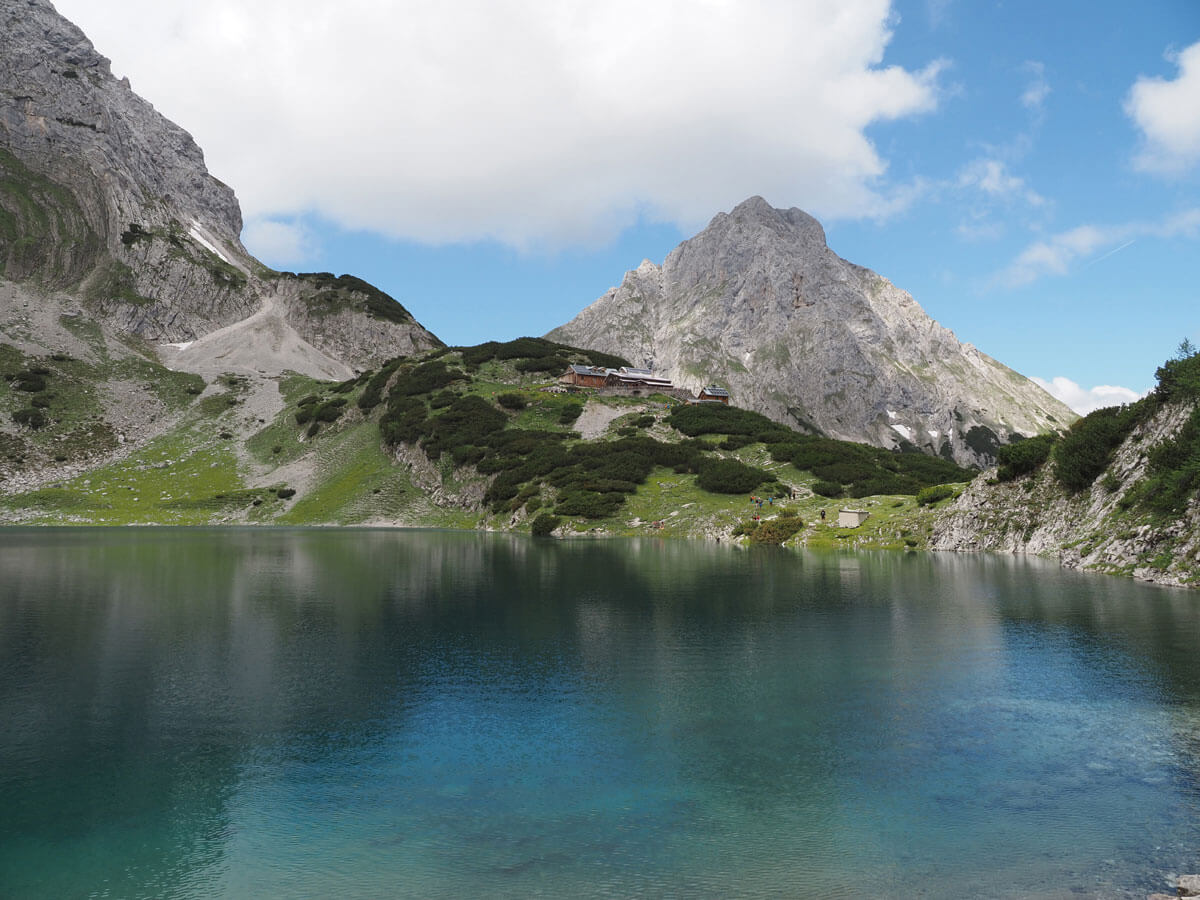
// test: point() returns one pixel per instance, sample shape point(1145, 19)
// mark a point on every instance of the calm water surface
point(239, 713)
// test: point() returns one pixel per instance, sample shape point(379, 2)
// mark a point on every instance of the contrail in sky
point(1109, 253)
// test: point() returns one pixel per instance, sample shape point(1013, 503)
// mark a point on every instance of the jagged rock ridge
point(759, 303)
point(104, 198)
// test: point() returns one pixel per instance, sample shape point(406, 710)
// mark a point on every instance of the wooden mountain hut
point(585, 376)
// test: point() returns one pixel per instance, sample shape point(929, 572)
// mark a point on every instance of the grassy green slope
point(326, 457)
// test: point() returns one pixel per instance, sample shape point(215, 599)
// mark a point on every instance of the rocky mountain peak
point(758, 302)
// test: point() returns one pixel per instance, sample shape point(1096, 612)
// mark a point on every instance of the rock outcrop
point(757, 302)
point(1099, 529)
point(103, 197)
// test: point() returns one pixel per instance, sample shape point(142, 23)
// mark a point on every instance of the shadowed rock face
point(103, 197)
point(757, 302)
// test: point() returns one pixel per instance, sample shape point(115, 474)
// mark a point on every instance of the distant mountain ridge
point(105, 200)
point(757, 302)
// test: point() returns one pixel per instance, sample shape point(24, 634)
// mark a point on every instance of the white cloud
point(1168, 114)
point(1057, 254)
point(993, 178)
point(522, 120)
point(279, 243)
point(1084, 400)
point(1035, 93)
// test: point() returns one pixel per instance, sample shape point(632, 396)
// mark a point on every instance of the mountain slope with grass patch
point(464, 437)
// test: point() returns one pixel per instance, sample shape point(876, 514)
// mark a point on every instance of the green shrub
point(729, 476)
point(544, 525)
point(425, 378)
point(442, 399)
point(736, 442)
point(933, 494)
point(776, 531)
point(589, 505)
point(846, 472)
point(313, 428)
point(285, 493)
point(1087, 447)
point(30, 382)
point(536, 349)
point(330, 410)
point(1173, 471)
point(32, 418)
point(304, 415)
point(469, 420)
point(553, 364)
point(570, 412)
point(1023, 457)
point(829, 489)
point(1179, 377)
point(512, 401)
point(716, 418)
point(372, 395)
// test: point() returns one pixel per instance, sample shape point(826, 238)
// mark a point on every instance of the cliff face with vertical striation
point(758, 302)
point(105, 199)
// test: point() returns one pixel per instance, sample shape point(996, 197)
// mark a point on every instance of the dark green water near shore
point(237, 713)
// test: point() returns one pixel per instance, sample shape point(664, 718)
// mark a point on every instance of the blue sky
point(1030, 172)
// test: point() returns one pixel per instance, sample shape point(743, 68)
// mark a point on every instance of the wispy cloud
point(1168, 114)
point(1085, 400)
point(993, 178)
point(1056, 255)
point(1035, 93)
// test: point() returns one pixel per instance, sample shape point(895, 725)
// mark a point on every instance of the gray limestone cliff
point(758, 303)
point(104, 198)
point(1101, 528)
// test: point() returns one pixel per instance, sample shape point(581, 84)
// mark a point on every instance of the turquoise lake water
point(360, 713)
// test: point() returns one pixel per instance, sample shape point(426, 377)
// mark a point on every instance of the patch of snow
point(891, 415)
point(934, 433)
point(194, 231)
point(904, 431)
point(182, 346)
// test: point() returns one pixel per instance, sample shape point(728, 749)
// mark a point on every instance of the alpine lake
point(356, 713)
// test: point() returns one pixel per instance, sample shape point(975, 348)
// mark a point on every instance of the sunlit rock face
point(757, 302)
point(105, 199)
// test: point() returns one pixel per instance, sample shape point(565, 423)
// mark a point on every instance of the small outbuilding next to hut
point(714, 393)
point(851, 518)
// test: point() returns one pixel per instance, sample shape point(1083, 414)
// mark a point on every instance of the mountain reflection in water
point(366, 713)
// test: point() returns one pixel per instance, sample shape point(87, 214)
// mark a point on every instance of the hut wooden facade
point(585, 376)
point(637, 379)
point(714, 393)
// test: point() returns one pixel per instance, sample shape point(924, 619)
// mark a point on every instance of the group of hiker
point(758, 504)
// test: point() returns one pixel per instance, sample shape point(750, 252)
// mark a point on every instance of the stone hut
point(851, 518)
